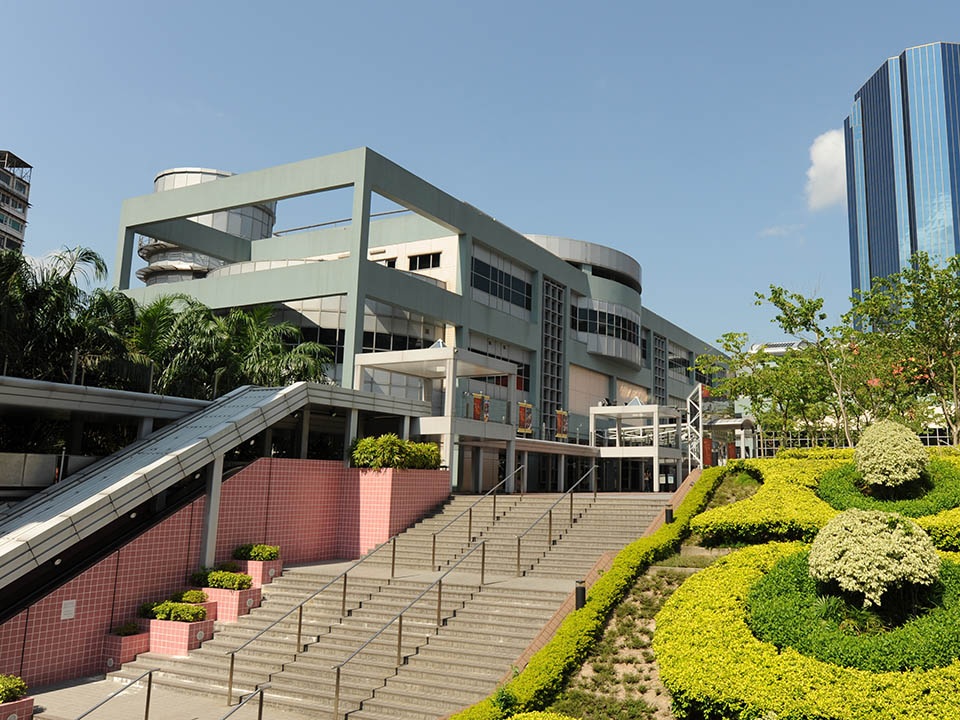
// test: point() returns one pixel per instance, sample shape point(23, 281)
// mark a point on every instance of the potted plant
point(260, 562)
point(198, 598)
point(14, 705)
point(123, 644)
point(233, 592)
point(176, 628)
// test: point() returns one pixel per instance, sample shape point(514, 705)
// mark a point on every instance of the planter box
point(210, 606)
point(178, 638)
point(118, 650)
point(262, 571)
point(21, 709)
point(231, 604)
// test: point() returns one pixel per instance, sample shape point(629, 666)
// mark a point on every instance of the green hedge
point(816, 454)
point(11, 688)
point(716, 668)
point(390, 451)
point(786, 506)
point(785, 609)
point(175, 611)
point(541, 716)
point(189, 596)
point(256, 552)
point(840, 489)
point(545, 674)
point(205, 577)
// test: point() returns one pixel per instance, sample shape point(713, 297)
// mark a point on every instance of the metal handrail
point(111, 696)
point(549, 513)
point(399, 616)
point(248, 698)
point(433, 551)
point(299, 609)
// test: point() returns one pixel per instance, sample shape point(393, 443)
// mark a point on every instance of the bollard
point(581, 594)
point(668, 515)
point(233, 657)
point(146, 707)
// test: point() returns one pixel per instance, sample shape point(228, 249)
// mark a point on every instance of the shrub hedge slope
point(716, 668)
point(547, 670)
point(840, 488)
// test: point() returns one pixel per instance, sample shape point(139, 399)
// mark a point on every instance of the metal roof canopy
point(631, 411)
point(431, 362)
point(730, 424)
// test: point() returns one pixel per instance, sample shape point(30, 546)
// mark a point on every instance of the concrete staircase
point(483, 629)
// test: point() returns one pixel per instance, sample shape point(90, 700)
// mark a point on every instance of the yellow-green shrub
point(541, 716)
point(815, 454)
point(715, 667)
point(545, 673)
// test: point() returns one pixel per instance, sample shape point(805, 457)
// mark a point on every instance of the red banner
point(562, 424)
point(525, 416)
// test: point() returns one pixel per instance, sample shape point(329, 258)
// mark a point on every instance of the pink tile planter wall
point(231, 604)
point(21, 709)
point(178, 638)
point(314, 510)
point(119, 650)
point(210, 606)
point(262, 571)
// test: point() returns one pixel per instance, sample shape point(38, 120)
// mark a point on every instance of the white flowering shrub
point(889, 454)
point(869, 552)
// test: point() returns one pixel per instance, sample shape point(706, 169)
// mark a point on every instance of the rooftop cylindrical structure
point(168, 263)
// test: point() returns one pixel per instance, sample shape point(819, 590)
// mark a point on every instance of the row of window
point(12, 222)
point(604, 323)
point(18, 185)
point(523, 373)
point(422, 262)
point(13, 202)
point(505, 286)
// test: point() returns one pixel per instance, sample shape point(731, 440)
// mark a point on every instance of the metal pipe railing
point(548, 513)
point(299, 610)
point(399, 619)
point(146, 707)
point(469, 513)
point(248, 698)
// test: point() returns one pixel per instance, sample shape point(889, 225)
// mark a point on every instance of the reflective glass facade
point(902, 143)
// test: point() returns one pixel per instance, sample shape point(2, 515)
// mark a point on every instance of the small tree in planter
point(260, 562)
point(13, 703)
point(233, 592)
point(176, 628)
point(123, 644)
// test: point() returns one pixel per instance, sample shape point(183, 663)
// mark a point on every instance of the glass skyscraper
point(903, 163)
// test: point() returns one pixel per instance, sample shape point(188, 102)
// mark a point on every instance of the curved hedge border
point(547, 670)
point(716, 668)
point(541, 716)
point(787, 508)
point(839, 489)
point(784, 609)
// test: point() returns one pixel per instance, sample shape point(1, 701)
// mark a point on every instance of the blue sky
point(680, 133)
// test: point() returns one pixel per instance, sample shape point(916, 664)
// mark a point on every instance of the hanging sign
point(562, 424)
point(525, 414)
point(481, 407)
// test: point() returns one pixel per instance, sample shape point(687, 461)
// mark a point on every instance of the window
point(21, 188)
point(500, 284)
point(5, 179)
point(388, 262)
point(423, 262)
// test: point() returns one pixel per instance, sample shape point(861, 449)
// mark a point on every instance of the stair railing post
point(594, 471)
point(493, 519)
point(343, 598)
point(518, 556)
point(549, 529)
point(439, 599)
point(433, 553)
point(233, 658)
point(299, 626)
point(260, 706)
point(470, 525)
point(571, 510)
point(393, 558)
point(146, 707)
point(399, 639)
point(483, 561)
point(336, 696)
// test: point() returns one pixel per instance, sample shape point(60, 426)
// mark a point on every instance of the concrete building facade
point(567, 313)
point(15, 177)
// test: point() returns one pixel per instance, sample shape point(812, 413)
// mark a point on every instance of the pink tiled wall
point(314, 510)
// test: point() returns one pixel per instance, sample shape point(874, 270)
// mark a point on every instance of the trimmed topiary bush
point(938, 489)
point(889, 454)
point(256, 552)
point(189, 596)
point(869, 552)
point(11, 688)
point(229, 580)
point(179, 612)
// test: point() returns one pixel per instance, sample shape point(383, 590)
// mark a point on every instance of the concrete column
point(656, 450)
point(211, 511)
point(619, 431)
point(679, 475)
point(477, 468)
point(350, 433)
point(525, 461)
point(304, 428)
point(450, 388)
point(355, 265)
point(144, 427)
point(511, 465)
point(562, 473)
point(405, 432)
point(121, 276)
point(593, 430)
point(266, 450)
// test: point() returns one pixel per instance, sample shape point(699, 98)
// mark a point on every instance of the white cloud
point(780, 230)
point(827, 174)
